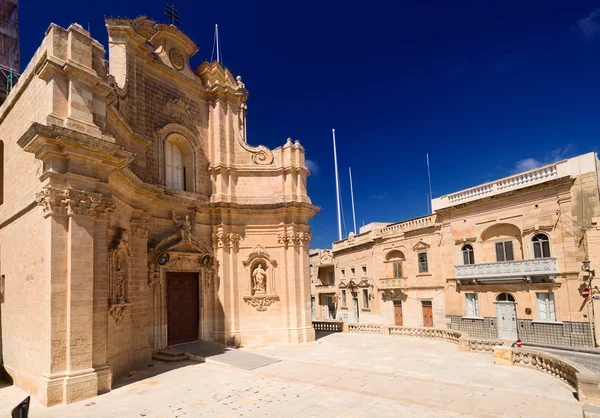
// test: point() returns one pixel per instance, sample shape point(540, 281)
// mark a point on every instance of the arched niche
point(260, 257)
point(495, 236)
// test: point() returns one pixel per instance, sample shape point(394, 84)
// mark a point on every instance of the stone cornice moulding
point(38, 137)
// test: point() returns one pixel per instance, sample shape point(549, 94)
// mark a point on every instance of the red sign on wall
point(585, 292)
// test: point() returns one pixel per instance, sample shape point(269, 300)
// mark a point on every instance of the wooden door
point(398, 320)
point(183, 307)
point(507, 320)
point(427, 313)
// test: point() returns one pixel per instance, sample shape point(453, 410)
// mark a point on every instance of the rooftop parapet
point(566, 168)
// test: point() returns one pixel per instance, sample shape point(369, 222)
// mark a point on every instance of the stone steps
point(169, 355)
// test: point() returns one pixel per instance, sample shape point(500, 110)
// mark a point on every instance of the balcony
point(508, 271)
point(389, 283)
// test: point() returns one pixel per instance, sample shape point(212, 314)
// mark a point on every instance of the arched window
point(541, 246)
point(178, 163)
point(1, 172)
point(468, 254)
point(395, 259)
point(174, 165)
point(505, 297)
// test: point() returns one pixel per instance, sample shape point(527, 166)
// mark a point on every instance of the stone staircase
point(169, 355)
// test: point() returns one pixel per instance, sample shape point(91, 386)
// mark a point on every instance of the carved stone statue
point(259, 277)
point(120, 285)
point(184, 225)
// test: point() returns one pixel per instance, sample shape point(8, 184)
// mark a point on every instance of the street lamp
point(586, 269)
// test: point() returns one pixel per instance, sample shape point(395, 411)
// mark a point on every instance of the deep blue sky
point(486, 87)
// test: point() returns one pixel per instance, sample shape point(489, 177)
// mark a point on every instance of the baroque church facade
point(135, 215)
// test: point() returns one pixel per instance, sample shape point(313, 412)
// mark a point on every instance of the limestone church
point(134, 214)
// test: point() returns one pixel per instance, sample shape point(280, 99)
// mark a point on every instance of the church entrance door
point(183, 307)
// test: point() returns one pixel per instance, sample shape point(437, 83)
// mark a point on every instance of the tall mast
point(337, 187)
point(429, 177)
point(217, 38)
point(352, 195)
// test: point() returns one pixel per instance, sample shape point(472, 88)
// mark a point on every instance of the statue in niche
point(184, 225)
point(123, 251)
point(120, 288)
point(259, 277)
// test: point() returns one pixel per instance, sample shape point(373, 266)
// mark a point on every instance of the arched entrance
point(506, 316)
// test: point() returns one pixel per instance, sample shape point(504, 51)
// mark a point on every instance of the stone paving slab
point(346, 375)
point(205, 351)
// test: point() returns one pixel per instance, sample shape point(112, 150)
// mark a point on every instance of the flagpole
point(429, 177)
point(217, 36)
point(352, 194)
point(337, 187)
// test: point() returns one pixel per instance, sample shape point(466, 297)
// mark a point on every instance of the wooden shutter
point(499, 251)
point(469, 305)
point(542, 309)
point(551, 307)
point(546, 248)
point(508, 249)
point(537, 249)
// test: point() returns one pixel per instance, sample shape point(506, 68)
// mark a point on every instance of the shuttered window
point(397, 270)
point(365, 299)
point(423, 263)
point(472, 305)
point(546, 308)
point(504, 251)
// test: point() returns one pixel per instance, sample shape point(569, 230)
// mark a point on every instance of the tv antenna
point(172, 14)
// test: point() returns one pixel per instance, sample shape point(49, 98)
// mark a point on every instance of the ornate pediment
point(184, 239)
point(419, 246)
point(538, 228)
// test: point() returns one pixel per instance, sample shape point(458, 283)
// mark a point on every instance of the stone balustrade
point(364, 328)
point(483, 345)
point(328, 326)
point(518, 181)
point(504, 269)
point(582, 380)
point(419, 332)
point(410, 225)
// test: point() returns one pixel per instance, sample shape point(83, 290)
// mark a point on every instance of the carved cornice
point(537, 228)
point(69, 202)
point(227, 240)
point(261, 302)
point(294, 238)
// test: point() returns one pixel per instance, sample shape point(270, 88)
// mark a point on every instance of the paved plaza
point(340, 375)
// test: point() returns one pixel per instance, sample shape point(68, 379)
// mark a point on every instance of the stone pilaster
point(76, 226)
point(139, 294)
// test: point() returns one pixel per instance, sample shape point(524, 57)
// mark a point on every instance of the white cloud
point(526, 165)
point(313, 166)
point(550, 157)
point(588, 26)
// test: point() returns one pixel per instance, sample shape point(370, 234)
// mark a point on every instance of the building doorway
point(427, 313)
point(313, 308)
point(183, 307)
point(331, 308)
point(355, 304)
point(506, 316)
point(398, 319)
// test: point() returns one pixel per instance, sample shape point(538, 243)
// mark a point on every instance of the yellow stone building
point(503, 259)
point(134, 214)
